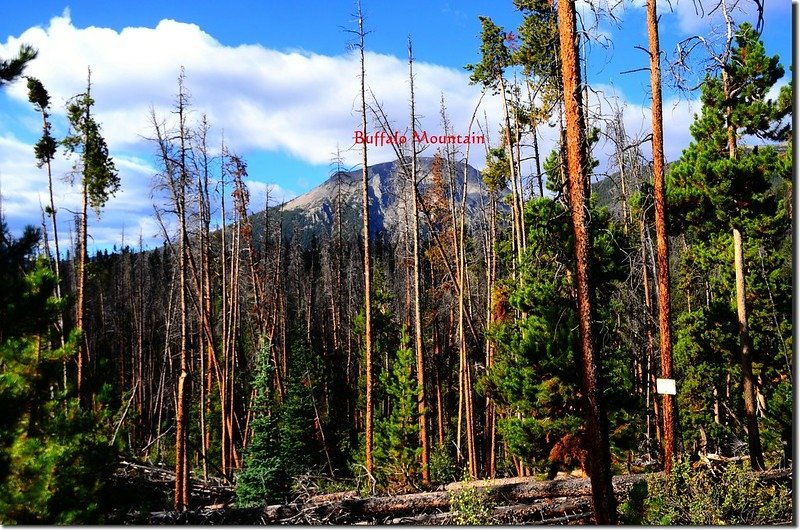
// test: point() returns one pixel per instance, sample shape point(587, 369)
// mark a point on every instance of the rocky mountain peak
point(313, 213)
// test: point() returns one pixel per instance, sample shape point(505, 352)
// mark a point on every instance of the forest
point(417, 341)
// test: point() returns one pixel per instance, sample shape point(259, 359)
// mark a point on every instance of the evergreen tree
point(54, 459)
point(397, 451)
point(284, 442)
point(11, 69)
point(535, 380)
point(723, 198)
point(299, 428)
point(710, 190)
point(263, 475)
point(45, 151)
point(539, 48)
point(385, 333)
point(99, 181)
point(538, 54)
point(496, 57)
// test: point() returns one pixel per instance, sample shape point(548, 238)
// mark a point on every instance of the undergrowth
point(701, 497)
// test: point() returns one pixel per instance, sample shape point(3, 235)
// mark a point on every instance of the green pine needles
point(721, 185)
point(284, 445)
point(535, 380)
point(262, 477)
point(397, 450)
point(54, 456)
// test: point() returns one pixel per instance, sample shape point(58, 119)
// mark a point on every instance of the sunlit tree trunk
point(370, 406)
point(662, 243)
point(603, 501)
point(418, 343)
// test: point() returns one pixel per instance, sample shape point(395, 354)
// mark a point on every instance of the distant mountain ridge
point(312, 214)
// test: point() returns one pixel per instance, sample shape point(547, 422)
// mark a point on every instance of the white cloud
point(299, 103)
point(698, 16)
point(260, 193)
point(25, 192)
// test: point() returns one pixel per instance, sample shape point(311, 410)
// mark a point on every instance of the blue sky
point(278, 81)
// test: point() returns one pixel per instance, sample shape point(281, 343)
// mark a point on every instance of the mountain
point(312, 214)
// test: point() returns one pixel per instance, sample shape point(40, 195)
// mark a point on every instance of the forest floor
point(143, 490)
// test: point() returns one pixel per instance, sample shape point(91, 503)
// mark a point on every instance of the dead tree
point(370, 406)
point(418, 342)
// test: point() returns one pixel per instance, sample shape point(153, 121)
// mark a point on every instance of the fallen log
point(132, 476)
point(494, 482)
point(225, 516)
point(427, 519)
point(379, 508)
point(349, 509)
point(342, 508)
point(332, 497)
point(486, 482)
point(574, 487)
point(550, 511)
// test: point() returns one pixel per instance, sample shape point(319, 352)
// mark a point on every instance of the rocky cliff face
point(313, 214)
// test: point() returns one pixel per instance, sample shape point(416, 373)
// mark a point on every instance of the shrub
point(470, 506)
point(699, 497)
point(443, 468)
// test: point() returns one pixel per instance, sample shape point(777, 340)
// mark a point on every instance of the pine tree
point(385, 333)
point(11, 69)
point(299, 425)
point(284, 443)
point(397, 453)
point(264, 474)
point(99, 181)
point(538, 54)
point(536, 378)
point(490, 72)
point(722, 190)
point(54, 458)
point(45, 151)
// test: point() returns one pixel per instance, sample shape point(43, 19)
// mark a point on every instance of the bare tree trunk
point(181, 500)
point(80, 309)
point(203, 290)
point(437, 354)
point(466, 373)
point(223, 380)
point(536, 156)
point(517, 222)
point(649, 379)
point(57, 260)
point(368, 427)
point(753, 438)
point(231, 357)
point(603, 501)
point(662, 243)
point(491, 275)
point(418, 343)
